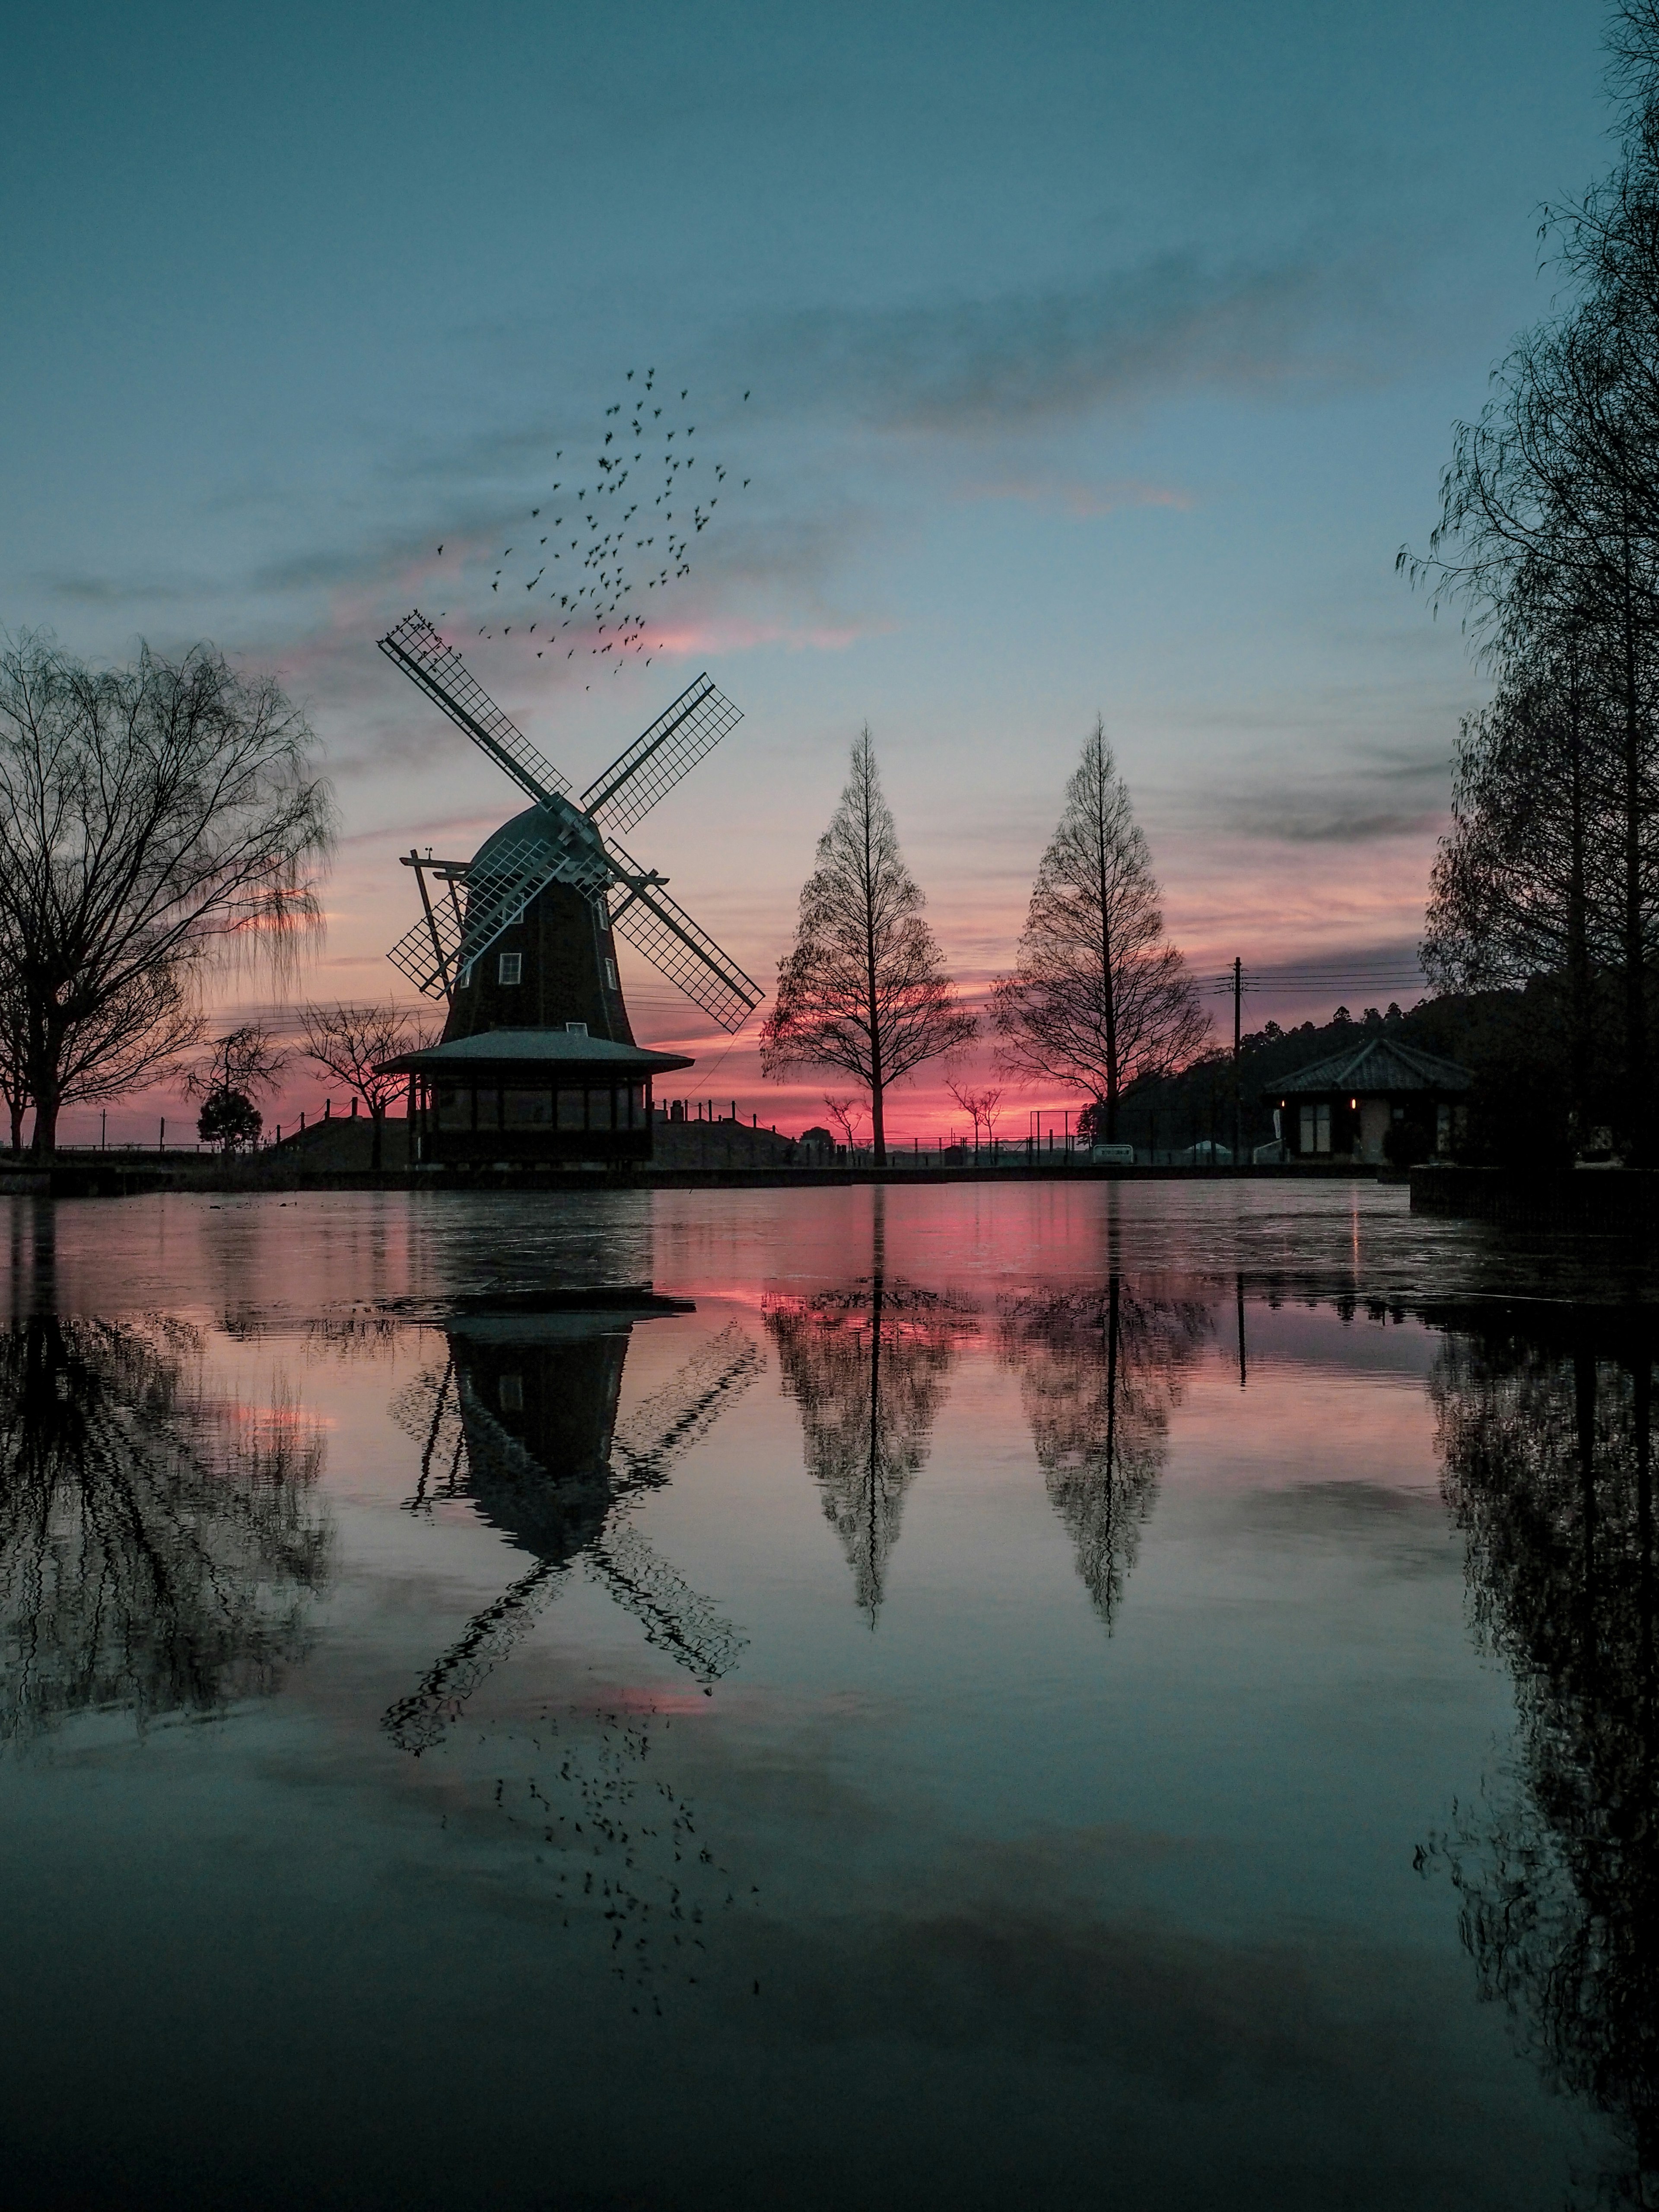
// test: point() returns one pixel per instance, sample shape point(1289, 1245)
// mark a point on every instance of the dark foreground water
point(966, 1698)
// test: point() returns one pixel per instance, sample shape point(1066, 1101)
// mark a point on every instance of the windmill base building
point(537, 1065)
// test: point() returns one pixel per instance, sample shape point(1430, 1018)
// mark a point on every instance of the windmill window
point(528, 1110)
point(610, 975)
point(572, 1109)
point(463, 981)
point(598, 1109)
point(510, 1392)
point(509, 968)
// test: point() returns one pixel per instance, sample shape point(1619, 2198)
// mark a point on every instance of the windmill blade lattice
point(676, 1618)
point(417, 1722)
point(663, 1427)
point(660, 928)
point(445, 677)
point(656, 761)
point(631, 898)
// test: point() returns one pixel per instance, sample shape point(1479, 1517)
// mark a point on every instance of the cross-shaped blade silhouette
point(644, 1450)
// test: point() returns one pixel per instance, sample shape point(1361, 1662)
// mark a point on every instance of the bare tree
point(980, 1106)
point(1096, 998)
point(865, 988)
point(844, 1112)
point(152, 819)
point(351, 1042)
point(243, 1065)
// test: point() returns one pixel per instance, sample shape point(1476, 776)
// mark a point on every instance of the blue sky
point(1100, 359)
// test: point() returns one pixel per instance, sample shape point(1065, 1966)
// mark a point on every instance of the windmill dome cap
point(534, 822)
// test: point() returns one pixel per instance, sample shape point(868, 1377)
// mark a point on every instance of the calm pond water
point(1069, 1696)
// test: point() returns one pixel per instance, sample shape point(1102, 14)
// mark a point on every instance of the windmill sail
point(444, 677)
point(663, 932)
point(440, 1410)
point(566, 845)
point(655, 762)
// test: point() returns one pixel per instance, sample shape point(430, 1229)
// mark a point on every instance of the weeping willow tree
point(155, 821)
point(159, 1544)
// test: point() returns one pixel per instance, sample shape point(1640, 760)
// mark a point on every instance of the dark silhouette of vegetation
point(1546, 1433)
point(153, 819)
point(868, 1365)
point(242, 1064)
point(864, 989)
point(159, 1544)
point(1100, 1373)
point(351, 1042)
point(1548, 539)
point(1097, 999)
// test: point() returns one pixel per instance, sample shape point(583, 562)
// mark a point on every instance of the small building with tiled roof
point(1343, 1107)
point(524, 1098)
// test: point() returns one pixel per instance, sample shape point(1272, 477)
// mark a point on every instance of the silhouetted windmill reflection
point(868, 1366)
point(522, 1420)
point(1100, 1373)
point(158, 1544)
point(1546, 1432)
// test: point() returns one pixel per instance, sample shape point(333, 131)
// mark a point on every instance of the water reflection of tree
point(868, 1366)
point(157, 1545)
point(1548, 1455)
point(1100, 1372)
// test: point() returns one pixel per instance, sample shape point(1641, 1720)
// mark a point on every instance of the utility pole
point(1239, 1094)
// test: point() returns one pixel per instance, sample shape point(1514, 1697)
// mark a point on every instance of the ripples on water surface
point(1001, 1694)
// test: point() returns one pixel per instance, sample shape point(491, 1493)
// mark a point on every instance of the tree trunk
point(44, 1143)
point(1636, 1008)
point(377, 1117)
point(1578, 978)
point(877, 1073)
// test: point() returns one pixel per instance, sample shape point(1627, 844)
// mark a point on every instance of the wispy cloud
point(1080, 499)
point(971, 367)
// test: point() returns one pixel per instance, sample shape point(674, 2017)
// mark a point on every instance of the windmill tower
point(538, 1062)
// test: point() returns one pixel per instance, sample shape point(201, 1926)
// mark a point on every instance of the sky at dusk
point(1100, 359)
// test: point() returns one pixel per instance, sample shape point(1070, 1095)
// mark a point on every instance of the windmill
point(557, 875)
point(566, 1487)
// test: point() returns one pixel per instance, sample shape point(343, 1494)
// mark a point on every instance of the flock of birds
point(587, 581)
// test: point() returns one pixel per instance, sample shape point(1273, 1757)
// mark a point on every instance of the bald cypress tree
point(863, 990)
point(1097, 998)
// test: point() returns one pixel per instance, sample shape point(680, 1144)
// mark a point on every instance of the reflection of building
point(1343, 1107)
point(522, 1419)
point(158, 1546)
point(1546, 1430)
point(1100, 1372)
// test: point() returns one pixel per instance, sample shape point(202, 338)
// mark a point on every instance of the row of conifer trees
point(1096, 999)
point(1548, 543)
